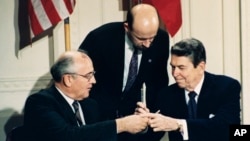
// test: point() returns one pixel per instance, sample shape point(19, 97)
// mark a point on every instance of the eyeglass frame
point(88, 76)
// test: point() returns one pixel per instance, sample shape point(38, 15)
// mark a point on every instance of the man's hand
point(141, 108)
point(160, 122)
point(132, 124)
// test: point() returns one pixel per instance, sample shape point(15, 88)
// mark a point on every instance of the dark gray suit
point(48, 116)
point(218, 106)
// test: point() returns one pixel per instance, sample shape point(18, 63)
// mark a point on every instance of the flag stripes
point(43, 14)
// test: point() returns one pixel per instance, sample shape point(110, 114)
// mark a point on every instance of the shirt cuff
point(184, 131)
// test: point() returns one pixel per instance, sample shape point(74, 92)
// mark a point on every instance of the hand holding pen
point(142, 108)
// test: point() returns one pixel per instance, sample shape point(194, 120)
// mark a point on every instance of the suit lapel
point(174, 96)
point(181, 102)
point(64, 107)
point(205, 97)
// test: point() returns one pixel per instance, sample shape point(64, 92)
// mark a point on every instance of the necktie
point(133, 66)
point(77, 113)
point(192, 105)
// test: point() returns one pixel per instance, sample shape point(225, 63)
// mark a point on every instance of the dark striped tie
point(77, 113)
point(133, 68)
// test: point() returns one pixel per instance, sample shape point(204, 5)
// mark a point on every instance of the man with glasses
point(111, 48)
point(64, 112)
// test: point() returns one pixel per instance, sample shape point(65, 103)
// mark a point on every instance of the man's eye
point(182, 68)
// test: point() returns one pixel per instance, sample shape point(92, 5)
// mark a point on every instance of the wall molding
point(24, 83)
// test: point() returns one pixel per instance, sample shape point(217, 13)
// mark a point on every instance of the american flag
point(44, 14)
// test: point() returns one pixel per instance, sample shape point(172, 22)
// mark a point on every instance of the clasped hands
point(157, 121)
point(143, 118)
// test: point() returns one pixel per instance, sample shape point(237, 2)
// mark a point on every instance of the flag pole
point(67, 34)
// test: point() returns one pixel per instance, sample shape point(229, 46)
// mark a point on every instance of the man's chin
point(141, 48)
point(180, 85)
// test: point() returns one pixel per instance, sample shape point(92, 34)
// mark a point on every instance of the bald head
point(77, 56)
point(68, 63)
point(142, 25)
point(143, 17)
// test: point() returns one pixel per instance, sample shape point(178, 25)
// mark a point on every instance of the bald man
point(50, 114)
point(111, 46)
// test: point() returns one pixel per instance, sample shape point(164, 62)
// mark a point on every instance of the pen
point(157, 112)
point(143, 93)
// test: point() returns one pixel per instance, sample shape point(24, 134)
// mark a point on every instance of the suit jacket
point(106, 47)
point(48, 116)
point(218, 107)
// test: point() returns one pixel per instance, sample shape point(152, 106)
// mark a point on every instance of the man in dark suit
point(216, 104)
point(110, 46)
point(50, 114)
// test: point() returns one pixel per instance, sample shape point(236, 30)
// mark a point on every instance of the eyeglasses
point(88, 76)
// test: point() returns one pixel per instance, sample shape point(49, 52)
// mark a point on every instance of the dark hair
point(191, 48)
point(61, 67)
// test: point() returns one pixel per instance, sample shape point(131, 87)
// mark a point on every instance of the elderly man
point(64, 112)
point(200, 106)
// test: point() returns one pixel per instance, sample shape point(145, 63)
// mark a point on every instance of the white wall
point(222, 25)
point(245, 63)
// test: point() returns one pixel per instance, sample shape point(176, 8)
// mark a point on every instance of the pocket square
point(211, 115)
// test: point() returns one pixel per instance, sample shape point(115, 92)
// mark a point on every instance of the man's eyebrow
point(141, 38)
point(177, 65)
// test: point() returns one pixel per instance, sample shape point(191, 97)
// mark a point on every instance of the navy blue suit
point(218, 106)
point(48, 116)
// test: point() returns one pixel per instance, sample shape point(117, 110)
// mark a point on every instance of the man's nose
point(93, 80)
point(175, 72)
point(147, 43)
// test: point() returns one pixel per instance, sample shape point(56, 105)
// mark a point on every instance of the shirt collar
point(69, 100)
point(197, 89)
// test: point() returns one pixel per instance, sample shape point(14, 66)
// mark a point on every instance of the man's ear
point(202, 66)
point(125, 24)
point(67, 80)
